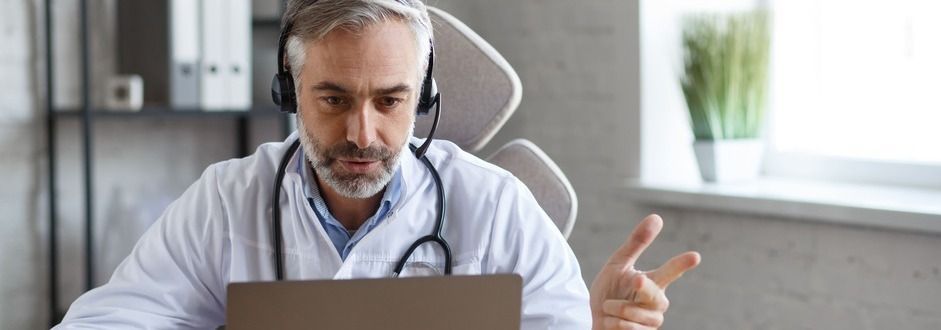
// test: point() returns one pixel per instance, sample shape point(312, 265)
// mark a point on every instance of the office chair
point(480, 92)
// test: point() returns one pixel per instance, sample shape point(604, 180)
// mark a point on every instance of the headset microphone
point(429, 98)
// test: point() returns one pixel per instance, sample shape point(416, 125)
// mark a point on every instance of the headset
point(283, 95)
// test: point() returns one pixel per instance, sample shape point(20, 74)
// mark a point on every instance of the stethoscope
point(282, 91)
point(435, 236)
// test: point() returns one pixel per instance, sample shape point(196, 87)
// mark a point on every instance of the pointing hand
point(625, 298)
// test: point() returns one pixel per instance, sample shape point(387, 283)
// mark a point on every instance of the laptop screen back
point(442, 302)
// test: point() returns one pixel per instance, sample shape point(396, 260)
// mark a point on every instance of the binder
point(238, 38)
point(197, 53)
point(212, 82)
point(184, 54)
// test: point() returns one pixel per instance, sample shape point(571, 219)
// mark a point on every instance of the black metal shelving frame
point(87, 114)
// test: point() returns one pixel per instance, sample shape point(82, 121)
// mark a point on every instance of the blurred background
point(837, 225)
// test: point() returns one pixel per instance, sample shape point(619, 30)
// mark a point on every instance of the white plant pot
point(729, 160)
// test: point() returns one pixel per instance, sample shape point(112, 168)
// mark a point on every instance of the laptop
point(440, 302)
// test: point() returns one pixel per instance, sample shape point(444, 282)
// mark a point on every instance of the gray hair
point(313, 20)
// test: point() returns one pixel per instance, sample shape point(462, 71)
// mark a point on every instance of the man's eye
point(333, 100)
point(389, 102)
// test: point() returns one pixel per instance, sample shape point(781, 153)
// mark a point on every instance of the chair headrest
point(479, 89)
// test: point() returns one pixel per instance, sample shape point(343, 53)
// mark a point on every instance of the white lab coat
point(219, 231)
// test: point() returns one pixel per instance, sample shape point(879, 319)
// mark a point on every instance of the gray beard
point(350, 185)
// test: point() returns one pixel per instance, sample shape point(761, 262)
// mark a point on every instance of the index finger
point(638, 241)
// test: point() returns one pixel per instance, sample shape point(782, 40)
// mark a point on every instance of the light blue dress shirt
point(343, 239)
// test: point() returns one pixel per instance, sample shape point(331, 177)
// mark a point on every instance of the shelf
point(157, 111)
point(241, 117)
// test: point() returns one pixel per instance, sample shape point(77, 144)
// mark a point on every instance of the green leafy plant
point(726, 73)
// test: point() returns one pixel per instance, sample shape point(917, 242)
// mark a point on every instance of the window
point(857, 91)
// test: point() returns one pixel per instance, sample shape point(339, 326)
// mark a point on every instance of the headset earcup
point(276, 90)
point(282, 92)
point(426, 100)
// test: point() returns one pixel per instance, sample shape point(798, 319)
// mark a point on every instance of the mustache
point(350, 150)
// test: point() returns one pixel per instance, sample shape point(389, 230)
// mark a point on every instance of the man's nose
point(361, 126)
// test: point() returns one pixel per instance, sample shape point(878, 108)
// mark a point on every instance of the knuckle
point(631, 326)
point(610, 322)
point(618, 323)
point(626, 311)
point(657, 320)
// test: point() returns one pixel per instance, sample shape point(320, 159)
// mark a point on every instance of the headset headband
point(282, 43)
point(282, 85)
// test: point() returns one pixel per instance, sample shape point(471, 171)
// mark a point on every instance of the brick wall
point(579, 66)
point(772, 273)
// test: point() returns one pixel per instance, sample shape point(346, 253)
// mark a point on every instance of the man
point(354, 198)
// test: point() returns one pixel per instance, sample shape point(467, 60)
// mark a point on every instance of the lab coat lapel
point(308, 249)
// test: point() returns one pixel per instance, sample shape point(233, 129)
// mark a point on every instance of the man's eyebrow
point(332, 87)
point(328, 86)
point(393, 90)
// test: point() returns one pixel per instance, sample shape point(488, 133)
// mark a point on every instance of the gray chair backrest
point(543, 177)
point(480, 91)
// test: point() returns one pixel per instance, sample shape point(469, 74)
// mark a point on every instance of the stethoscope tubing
point(435, 237)
point(276, 211)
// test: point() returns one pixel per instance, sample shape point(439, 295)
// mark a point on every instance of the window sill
point(908, 209)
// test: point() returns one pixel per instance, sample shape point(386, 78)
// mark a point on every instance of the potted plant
point(725, 83)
